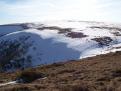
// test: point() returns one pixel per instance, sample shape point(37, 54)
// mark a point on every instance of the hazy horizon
point(16, 11)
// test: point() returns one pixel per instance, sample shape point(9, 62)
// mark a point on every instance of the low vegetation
point(28, 76)
point(100, 73)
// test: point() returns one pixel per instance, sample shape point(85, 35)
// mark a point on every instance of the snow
point(48, 46)
point(97, 32)
point(5, 29)
point(65, 24)
point(8, 83)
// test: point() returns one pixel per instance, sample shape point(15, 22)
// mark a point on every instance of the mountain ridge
point(55, 41)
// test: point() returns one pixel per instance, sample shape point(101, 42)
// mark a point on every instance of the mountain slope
point(100, 73)
point(31, 44)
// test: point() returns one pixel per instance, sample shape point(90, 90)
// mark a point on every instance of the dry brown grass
point(100, 73)
point(30, 75)
point(17, 88)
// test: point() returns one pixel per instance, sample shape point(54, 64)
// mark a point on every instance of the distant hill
point(33, 44)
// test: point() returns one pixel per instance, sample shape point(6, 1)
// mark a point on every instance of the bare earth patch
point(103, 41)
point(76, 35)
point(60, 30)
point(65, 31)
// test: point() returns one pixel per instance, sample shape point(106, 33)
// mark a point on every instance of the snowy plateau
point(26, 45)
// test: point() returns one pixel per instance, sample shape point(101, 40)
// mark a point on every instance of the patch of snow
point(8, 83)
point(5, 29)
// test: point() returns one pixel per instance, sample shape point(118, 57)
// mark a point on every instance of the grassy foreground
point(100, 73)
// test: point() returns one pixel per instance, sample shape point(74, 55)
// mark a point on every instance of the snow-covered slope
point(32, 44)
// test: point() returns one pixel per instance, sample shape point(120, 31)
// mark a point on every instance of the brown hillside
point(100, 73)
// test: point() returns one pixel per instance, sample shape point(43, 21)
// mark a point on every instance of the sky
point(16, 11)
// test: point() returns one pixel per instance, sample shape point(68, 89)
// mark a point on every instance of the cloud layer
point(39, 10)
